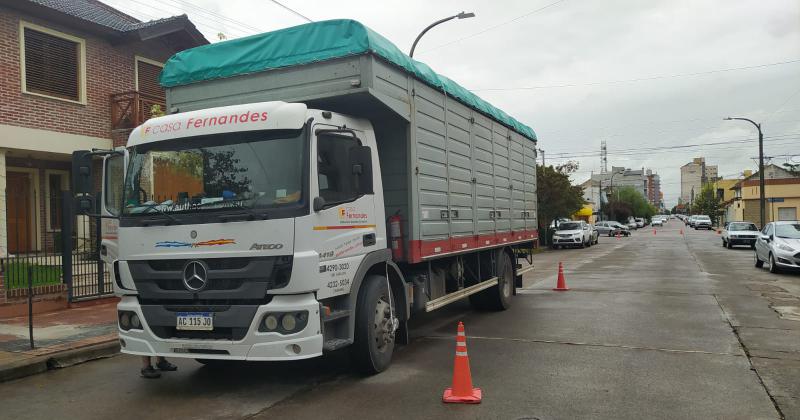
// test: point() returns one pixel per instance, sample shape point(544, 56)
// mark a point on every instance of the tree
point(794, 168)
point(626, 202)
point(708, 203)
point(557, 196)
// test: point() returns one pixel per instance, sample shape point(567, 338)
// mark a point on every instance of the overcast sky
point(638, 74)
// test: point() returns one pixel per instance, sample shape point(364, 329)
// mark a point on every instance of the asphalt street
point(655, 326)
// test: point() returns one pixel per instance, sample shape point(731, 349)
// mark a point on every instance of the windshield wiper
point(162, 213)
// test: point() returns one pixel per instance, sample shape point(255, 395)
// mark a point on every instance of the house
point(76, 74)
point(781, 190)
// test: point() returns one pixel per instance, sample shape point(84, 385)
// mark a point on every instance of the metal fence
point(53, 247)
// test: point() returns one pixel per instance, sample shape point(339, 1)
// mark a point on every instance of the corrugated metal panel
point(517, 167)
point(529, 167)
point(432, 162)
point(459, 169)
point(483, 169)
point(502, 181)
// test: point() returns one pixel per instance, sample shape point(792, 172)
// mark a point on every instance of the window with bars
point(52, 65)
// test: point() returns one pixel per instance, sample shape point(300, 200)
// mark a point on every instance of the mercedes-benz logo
point(195, 276)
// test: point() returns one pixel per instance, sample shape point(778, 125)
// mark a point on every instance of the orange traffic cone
point(654, 231)
point(561, 286)
point(462, 390)
point(617, 235)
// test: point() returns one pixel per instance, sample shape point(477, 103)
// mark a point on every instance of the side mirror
point(81, 172)
point(771, 237)
point(361, 162)
point(318, 204)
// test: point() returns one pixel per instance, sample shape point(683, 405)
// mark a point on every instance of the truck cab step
point(335, 344)
point(337, 315)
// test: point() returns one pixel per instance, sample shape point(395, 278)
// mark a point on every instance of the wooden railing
point(130, 109)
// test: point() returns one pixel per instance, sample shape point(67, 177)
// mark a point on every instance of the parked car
point(623, 229)
point(657, 222)
point(779, 245)
point(640, 222)
point(739, 233)
point(573, 234)
point(632, 224)
point(701, 222)
point(690, 221)
point(611, 228)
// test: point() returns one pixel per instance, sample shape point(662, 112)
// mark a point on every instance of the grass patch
point(16, 274)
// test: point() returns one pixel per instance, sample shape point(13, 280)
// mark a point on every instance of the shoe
point(150, 373)
point(166, 366)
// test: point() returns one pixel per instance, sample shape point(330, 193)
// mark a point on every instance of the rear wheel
point(374, 330)
point(498, 297)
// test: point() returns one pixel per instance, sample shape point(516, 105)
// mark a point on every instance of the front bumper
point(786, 260)
point(257, 346)
point(742, 240)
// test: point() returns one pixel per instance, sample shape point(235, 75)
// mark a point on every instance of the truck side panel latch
point(369, 239)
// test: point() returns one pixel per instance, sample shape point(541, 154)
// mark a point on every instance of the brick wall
point(110, 69)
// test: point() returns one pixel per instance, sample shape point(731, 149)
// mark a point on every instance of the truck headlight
point(271, 322)
point(288, 322)
point(785, 247)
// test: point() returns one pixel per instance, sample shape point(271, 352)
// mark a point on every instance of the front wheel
point(374, 330)
point(773, 268)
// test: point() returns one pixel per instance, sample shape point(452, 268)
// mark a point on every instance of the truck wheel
point(498, 297)
point(374, 337)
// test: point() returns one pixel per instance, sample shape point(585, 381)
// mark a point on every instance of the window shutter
point(51, 65)
point(148, 79)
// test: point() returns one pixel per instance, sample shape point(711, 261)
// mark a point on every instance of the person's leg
point(163, 364)
point(147, 369)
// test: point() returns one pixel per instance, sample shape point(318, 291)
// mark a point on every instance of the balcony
point(131, 109)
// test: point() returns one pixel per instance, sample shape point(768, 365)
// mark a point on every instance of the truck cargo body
point(216, 258)
point(460, 180)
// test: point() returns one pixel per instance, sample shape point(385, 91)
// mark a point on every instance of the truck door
point(345, 220)
point(111, 203)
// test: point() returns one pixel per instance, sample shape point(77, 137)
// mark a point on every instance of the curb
point(62, 359)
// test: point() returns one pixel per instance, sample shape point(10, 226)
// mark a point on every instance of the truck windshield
point(206, 174)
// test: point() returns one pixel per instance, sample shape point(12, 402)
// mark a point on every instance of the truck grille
point(229, 280)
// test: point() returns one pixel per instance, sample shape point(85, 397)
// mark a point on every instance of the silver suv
point(575, 233)
point(779, 245)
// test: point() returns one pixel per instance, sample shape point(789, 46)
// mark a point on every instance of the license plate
point(195, 321)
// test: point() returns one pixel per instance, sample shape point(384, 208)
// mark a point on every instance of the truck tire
point(498, 297)
point(373, 345)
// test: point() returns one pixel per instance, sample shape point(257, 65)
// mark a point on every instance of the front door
point(18, 196)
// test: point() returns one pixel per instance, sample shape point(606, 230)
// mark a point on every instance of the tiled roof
point(101, 14)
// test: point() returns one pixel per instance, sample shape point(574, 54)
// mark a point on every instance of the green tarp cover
point(309, 43)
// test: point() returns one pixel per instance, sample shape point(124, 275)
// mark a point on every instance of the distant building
point(693, 175)
point(654, 194)
point(623, 177)
point(782, 191)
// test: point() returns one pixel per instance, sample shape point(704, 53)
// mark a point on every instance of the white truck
point(286, 207)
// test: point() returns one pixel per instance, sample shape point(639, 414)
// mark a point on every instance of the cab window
point(337, 183)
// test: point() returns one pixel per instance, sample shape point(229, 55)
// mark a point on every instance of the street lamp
point(462, 15)
point(761, 199)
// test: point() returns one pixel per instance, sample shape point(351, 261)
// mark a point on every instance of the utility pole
point(762, 192)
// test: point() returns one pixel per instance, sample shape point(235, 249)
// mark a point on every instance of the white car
point(779, 245)
point(739, 233)
point(701, 222)
point(573, 234)
point(657, 222)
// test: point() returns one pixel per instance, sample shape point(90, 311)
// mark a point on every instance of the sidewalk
point(61, 338)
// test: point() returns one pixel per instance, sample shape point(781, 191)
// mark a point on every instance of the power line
point(639, 79)
point(190, 6)
point(483, 31)
point(291, 10)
